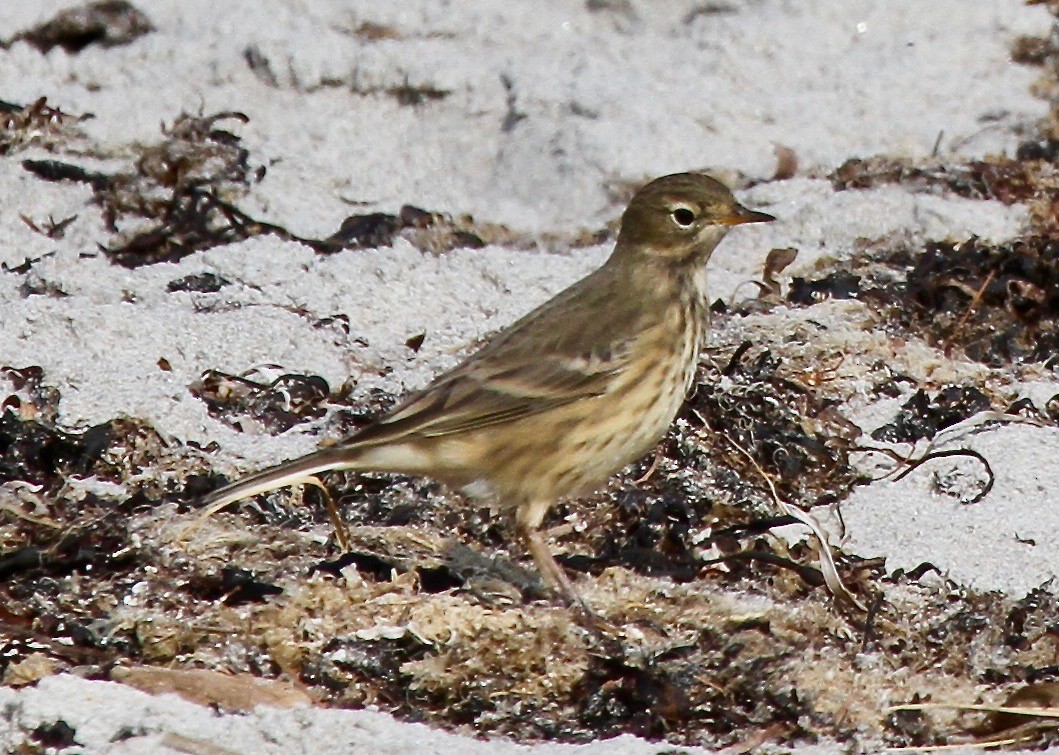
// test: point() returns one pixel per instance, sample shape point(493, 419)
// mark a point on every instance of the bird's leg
point(549, 568)
point(605, 633)
point(556, 578)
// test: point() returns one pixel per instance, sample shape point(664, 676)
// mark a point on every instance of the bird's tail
point(368, 455)
point(294, 472)
point(298, 471)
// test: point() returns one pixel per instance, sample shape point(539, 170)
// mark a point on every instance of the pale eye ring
point(683, 216)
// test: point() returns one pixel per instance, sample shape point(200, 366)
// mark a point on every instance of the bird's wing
point(563, 351)
point(489, 391)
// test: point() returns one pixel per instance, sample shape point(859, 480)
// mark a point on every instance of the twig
point(913, 465)
point(967, 313)
point(1033, 712)
point(655, 460)
point(959, 745)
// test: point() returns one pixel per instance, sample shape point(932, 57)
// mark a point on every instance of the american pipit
point(559, 401)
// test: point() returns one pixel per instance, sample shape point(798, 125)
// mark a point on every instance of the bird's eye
point(683, 217)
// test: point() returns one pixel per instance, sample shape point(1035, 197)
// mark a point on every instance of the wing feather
point(535, 365)
point(484, 393)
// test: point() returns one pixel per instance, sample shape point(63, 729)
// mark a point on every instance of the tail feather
point(364, 457)
point(282, 475)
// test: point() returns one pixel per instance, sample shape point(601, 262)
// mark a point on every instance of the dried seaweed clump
point(369, 638)
point(33, 449)
point(27, 395)
point(924, 416)
point(1031, 178)
point(178, 196)
point(999, 178)
point(49, 530)
point(427, 231)
point(656, 529)
point(108, 23)
point(36, 451)
point(41, 454)
point(692, 666)
point(513, 654)
point(37, 125)
point(439, 232)
point(275, 407)
point(968, 639)
point(1043, 53)
point(752, 420)
point(999, 304)
point(867, 173)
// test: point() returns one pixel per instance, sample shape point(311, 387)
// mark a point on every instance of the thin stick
point(42, 521)
point(650, 470)
point(970, 308)
point(969, 452)
point(983, 745)
point(979, 707)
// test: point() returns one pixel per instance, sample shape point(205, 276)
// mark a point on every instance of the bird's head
point(681, 218)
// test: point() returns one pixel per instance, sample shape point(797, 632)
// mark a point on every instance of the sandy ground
point(534, 116)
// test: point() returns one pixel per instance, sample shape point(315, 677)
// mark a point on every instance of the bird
point(553, 405)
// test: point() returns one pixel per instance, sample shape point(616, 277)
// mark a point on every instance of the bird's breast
point(577, 446)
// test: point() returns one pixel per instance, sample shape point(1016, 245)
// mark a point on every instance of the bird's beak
point(742, 215)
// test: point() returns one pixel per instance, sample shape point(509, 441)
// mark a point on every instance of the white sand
point(606, 95)
point(140, 723)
